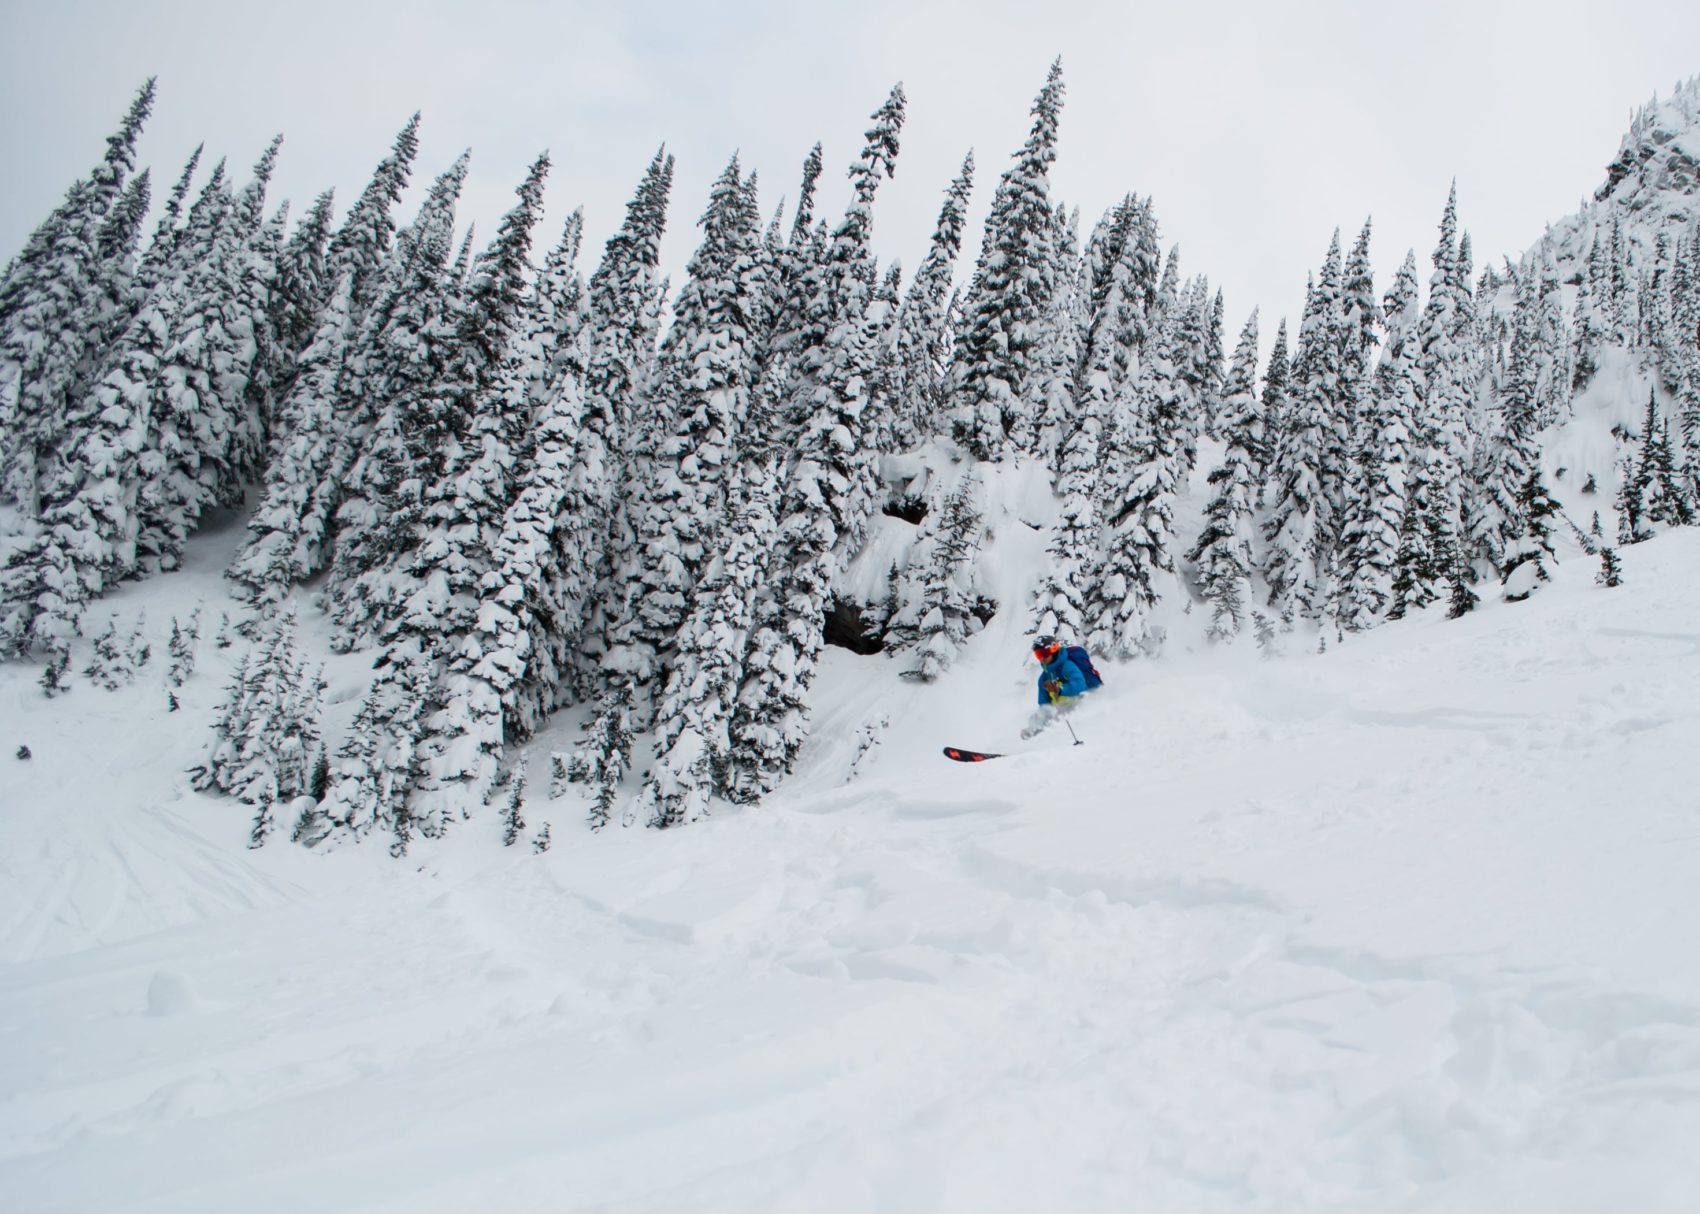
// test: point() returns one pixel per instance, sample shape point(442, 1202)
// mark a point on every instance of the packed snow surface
point(1405, 925)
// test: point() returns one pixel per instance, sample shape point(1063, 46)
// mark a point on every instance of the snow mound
point(171, 994)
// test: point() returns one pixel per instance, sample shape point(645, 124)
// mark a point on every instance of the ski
point(967, 756)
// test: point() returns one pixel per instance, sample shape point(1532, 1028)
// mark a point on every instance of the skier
point(1062, 681)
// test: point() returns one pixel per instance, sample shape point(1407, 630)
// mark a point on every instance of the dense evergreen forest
point(523, 487)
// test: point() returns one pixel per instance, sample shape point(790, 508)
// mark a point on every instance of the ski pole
point(1072, 734)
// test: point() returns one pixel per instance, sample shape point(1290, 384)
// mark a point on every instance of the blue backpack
point(1078, 655)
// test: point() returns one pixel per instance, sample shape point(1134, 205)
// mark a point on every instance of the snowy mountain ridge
point(1659, 161)
point(1651, 189)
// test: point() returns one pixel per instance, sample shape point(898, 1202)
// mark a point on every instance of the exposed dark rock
point(847, 627)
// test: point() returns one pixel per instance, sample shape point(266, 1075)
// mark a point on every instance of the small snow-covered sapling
point(137, 648)
point(55, 679)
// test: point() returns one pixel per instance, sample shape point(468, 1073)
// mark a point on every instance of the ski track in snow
point(1406, 926)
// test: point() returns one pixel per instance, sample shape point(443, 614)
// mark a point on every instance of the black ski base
point(968, 756)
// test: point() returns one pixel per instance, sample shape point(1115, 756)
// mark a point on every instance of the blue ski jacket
point(1060, 679)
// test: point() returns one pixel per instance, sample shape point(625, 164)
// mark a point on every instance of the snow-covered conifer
point(1527, 555)
point(460, 273)
point(1073, 557)
point(1548, 371)
point(1300, 530)
point(229, 727)
point(1383, 455)
point(1616, 280)
point(1586, 338)
point(532, 599)
point(203, 223)
point(268, 728)
point(181, 651)
point(109, 665)
point(674, 512)
point(1462, 599)
point(299, 294)
point(1441, 451)
point(1097, 451)
point(885, 308)
point(832, 483)
point(56, 677)
point(88, 488)
point(49, 310)
point(1275, 409)
point(408, 343)
point(623, 293)
point(1114, 303)
point(793, 276)
point(997, 358)
point(484, 387)
point(515, 664)
point(362, 244)
point(377, 764)
point(289, 528)
point(605, 755)
point(368, 348)
point(1419, 562)
point(437, 593)
point(1059, 350)
point(1147, 266)
point(137, 650)
point(1510, 456)
point(1611, 568)
point(114, 296)
point(694, 744)
point(949, 593)
point(1224, 554)
point(1332, 385)
point(205, 432)
point(86, 495)
point(1198, 370)
point(319, 783)
point(84, 489)
point(1361, 321)
point(1215, 359)
point(160, 259)
point(555, 340)
point(1141, 479)
point(1685, 356)
point(513, 812)
point(1359, 328)
point(921, 384)
point(839, 352)
point(1655, 492)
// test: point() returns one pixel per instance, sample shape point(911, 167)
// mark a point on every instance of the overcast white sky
point(1258, 127)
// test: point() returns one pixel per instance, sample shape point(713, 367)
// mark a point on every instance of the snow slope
point(1404, 926)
